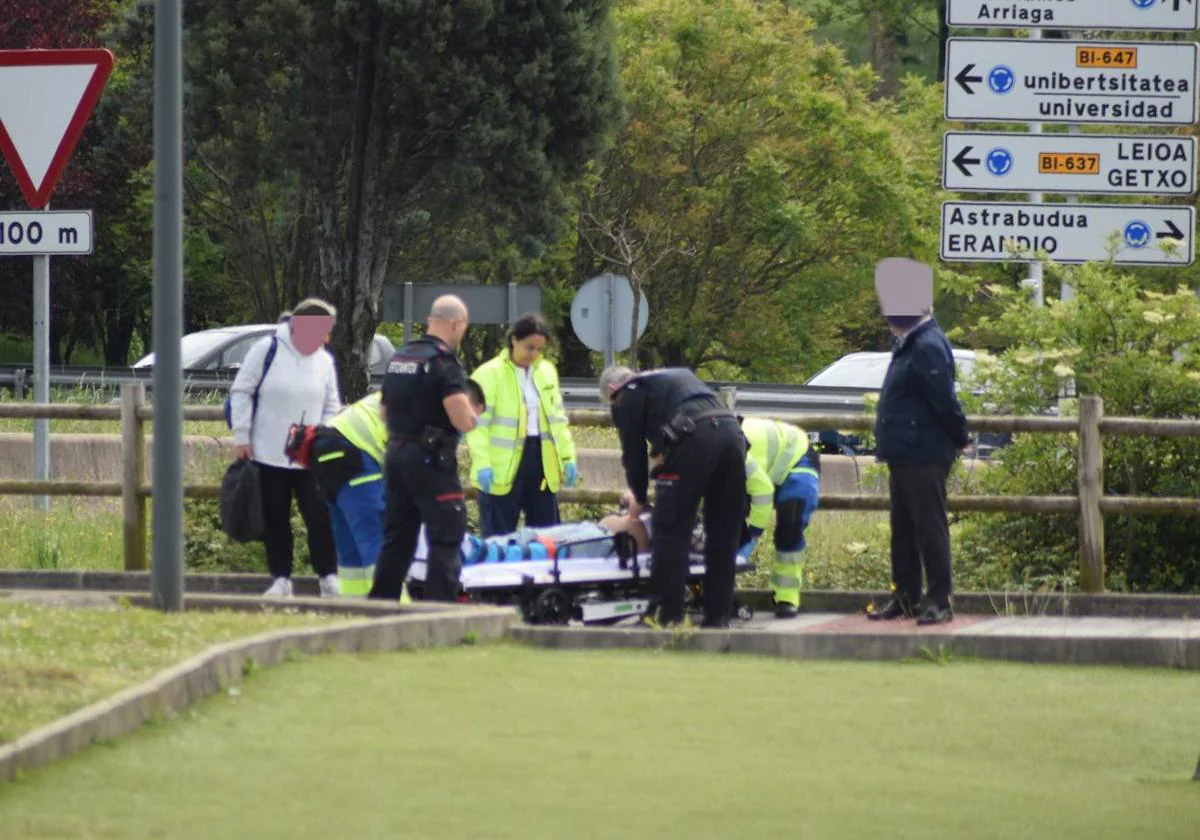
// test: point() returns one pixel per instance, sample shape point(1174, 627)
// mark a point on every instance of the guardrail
point(578, 393)
point(1090, 503)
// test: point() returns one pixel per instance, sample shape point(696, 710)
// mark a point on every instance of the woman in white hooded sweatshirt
point(300, 386)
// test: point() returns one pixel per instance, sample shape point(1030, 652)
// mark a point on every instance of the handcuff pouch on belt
point(683, 424)
point(441, 445)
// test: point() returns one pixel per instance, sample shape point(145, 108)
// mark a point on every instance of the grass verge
point(55, 660)
point(500, 741)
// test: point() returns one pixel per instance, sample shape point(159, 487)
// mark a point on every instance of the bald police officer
point(425, 406)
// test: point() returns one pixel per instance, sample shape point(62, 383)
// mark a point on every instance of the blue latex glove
point(484, 478)
point(746, 550)
point(572, 473)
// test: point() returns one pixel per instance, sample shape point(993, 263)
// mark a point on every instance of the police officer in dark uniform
point(703, 456)
point(425, 406)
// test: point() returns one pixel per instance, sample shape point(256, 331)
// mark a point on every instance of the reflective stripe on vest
point(362, 425)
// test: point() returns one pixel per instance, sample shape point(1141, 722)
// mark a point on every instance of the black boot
point(896, 607)
point(783, 610)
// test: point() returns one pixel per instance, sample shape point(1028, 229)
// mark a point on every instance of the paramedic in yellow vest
point(346, 456)
point(781, 473)
point(521, 450)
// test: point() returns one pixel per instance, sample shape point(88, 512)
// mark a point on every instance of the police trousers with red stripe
point(709, 465)
point(422, 487)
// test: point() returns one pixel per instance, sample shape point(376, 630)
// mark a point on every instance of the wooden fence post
point(1091, 489)
point(133, 475)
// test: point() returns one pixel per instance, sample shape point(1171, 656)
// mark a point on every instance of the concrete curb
point(1042, 649)
point(222, 666)
point(1113, 605)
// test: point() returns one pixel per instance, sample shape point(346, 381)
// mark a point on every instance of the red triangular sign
point(46, 98)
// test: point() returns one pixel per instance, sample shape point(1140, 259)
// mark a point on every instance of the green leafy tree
point(1135, 348)
point(396, 116)
point(753, 186)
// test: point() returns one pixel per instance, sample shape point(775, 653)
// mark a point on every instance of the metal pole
point(1034, 281)
point(513, 315)
point(166, 575)
point(41, 373)
point(1068, 293)
point(610, 317)
point(408, 312)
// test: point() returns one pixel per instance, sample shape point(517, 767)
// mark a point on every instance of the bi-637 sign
point(55, 232)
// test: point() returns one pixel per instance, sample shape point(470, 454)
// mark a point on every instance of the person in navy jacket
point(919, 431)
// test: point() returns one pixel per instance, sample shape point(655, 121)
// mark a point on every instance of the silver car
point(222, 349)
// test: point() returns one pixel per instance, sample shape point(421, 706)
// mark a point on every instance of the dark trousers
point(421, 488)
point(708, 464)
point(920, 531)
point(279, 485)
point(499, 514)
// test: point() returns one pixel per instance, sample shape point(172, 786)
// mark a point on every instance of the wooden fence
point(1089, 504)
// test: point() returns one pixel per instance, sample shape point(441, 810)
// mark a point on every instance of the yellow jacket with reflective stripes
point(362, 425)
point(498, 439)
point(775, 449)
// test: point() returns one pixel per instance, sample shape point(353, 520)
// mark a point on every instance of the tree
point(99, 300)
point(1134, 347)
point(753, 186)
point(397, 115)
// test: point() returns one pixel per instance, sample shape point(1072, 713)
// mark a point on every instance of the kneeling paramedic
point(347, 460)
point(425, 406)
point(703, 457)
point(784, 473)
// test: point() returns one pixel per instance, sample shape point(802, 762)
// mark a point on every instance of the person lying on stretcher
point(574, 540)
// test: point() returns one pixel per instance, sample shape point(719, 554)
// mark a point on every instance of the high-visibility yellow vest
point(775, 449)
point(498, 440)
point(361, 424)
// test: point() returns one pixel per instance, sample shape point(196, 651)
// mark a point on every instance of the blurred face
point(525, 351)
point(310, 332)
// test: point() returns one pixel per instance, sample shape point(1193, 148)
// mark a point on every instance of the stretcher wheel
point(551, 607)
point(745, 612)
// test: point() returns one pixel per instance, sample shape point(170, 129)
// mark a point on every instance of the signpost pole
point(166, 575)
point(408, 312)
point(1067, 292)
point(610, 318)
point(1035, 279)
point(41, 372)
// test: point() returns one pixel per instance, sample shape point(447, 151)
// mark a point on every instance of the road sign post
point(602, 315)
point(985, 231)
point(46, 98)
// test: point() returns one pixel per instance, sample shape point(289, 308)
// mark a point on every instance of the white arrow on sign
point(1127, 83)
point(1068, 163)
point(1161, 15)
point(48, 233)
point(979, 231)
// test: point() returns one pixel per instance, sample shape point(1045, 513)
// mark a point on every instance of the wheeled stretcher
point(566, 573)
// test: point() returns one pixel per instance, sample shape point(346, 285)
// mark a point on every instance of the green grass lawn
point(55, 660)
point(501, 741)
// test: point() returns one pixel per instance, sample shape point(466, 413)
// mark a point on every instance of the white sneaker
point(330, 587)
point(281, 588)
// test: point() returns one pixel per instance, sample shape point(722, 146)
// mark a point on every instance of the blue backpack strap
point(267, 359)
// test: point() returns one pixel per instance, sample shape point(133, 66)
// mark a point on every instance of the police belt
point(432, 439)
point(684, 422)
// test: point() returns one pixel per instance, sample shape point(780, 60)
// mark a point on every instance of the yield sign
point(46, 97)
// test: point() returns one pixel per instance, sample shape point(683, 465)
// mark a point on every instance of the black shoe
point(896, 607)
point(786, 611)
point(933, 614)
point(715, 624)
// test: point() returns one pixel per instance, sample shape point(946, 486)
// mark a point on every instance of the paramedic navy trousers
point(499, 514)
point(421, 487)
point(709, 465)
